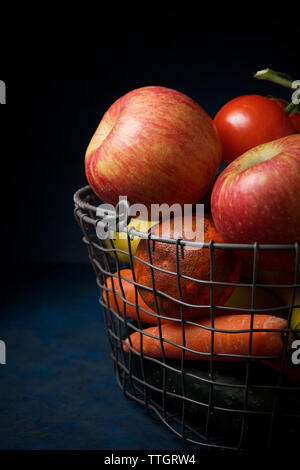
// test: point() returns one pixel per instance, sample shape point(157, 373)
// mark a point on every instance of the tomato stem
point(292, 108)
point(275, 77)
point(280, 79)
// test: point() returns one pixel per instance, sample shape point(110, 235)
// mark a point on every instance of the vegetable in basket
point(113, 296)
point(198, 338)
point(248, 121)
point(240, 298)
point(251, 120)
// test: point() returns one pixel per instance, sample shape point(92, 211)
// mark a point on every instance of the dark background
point(63, 69)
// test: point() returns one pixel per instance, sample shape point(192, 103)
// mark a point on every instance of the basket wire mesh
point(175, 407)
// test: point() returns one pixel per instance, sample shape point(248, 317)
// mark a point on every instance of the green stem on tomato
point(280, 79)
point(292, 108)
point(275, 77)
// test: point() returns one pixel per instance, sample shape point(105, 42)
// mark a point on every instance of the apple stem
point(275, 77)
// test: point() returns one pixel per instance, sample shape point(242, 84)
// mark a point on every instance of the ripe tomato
point(248, 121)
point(296, 121)
point(295, 118)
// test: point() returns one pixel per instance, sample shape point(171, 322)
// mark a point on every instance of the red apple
point(257, 199)
point(153, 145)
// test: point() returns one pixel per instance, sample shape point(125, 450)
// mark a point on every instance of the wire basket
point(236, 405)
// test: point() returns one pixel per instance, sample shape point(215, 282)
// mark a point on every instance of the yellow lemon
point(241, 298)
point(120, 242)
point(286, 295)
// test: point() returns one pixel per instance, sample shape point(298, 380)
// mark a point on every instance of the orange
point(195, 264)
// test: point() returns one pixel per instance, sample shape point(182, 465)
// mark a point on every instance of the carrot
point(129, 292)
point(265, 343)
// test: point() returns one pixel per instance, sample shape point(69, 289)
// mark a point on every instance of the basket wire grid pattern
point(119, 327)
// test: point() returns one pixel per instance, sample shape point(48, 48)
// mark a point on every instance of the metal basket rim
point(81, 206)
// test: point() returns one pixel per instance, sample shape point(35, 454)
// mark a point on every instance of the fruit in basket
point(195, 264)
point(230, 340)
point(265, 276)
point(241, 297)
point(286, 294)
point(257, 199)
point(153, 145)
point(295, 117)
point(120, 242)
point(117, 304)
point(248, 121)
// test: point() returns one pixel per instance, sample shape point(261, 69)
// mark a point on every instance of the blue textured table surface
point(57, 390)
